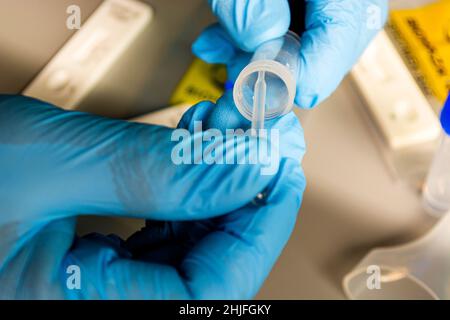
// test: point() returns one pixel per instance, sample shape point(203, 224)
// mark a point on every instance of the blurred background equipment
point(420, 269)
point(410, 65)
point(84, 60)
point(417, 270)
point(404, 78)
point(422, 35)
point(142, 79)
point(436, 193)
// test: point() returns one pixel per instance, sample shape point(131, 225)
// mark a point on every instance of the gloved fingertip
point(214, 46)
point(305, 101)
point(227, 116)
point(198, 112)
point(249, 42)
point(251, 23)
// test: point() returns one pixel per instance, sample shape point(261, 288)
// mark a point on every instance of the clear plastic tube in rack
point(266, 87)
point(436, 193)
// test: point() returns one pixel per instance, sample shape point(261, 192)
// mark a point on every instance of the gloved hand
point(337, 32)
point(205, 236)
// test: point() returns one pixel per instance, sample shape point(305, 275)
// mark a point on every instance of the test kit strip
point(87, 56)
point(403, 114)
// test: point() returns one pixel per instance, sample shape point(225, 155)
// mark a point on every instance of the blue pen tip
point(228, 85)
point(445, 116)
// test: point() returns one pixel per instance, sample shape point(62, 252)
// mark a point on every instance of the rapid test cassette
point(88, 55)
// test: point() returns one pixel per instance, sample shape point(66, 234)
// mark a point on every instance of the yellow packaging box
point(425, 34)
point(202, 81)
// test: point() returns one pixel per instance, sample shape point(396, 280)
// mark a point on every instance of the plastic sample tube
point(436, 194)
point(259, 103)
point(266, 87)
point(416, 270)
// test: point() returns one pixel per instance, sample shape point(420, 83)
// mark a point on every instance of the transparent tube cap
point(417, 270)
point(275, 64)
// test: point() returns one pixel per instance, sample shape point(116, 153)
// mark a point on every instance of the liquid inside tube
point(259, 104)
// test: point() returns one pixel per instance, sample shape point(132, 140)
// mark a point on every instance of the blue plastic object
point(445, 116)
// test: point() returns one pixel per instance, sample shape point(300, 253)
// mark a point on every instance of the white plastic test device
point(400, 109)
point(87, 56)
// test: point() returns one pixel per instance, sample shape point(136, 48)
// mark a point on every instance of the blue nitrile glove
point(56, 165)
point(337, 32)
